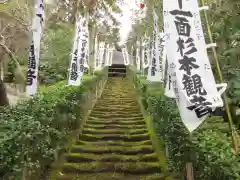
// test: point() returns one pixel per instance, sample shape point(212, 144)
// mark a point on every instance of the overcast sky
point(128, 7)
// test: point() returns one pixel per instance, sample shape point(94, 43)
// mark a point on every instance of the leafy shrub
point(36, 129)
point(209, 148)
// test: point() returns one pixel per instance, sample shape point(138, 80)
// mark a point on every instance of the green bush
point(36, 129)
point(209, 148)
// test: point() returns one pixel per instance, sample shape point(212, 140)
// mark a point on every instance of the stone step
point(114, 143)
point(91, 157)
point(113, 131)
point(114, 122)
point(114, 126)
point(121, 167)
point(111, 176)
point(116, 111)
point(94, 118)
point(128, 138)
point(117, 108)
point(118, 115)
point(136, 150)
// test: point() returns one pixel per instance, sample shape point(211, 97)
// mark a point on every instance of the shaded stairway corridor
point(115, 144)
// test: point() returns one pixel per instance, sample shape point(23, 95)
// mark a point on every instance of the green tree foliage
point(225, 26)
point(56, 53)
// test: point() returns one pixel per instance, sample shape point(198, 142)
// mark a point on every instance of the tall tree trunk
point(3, 94)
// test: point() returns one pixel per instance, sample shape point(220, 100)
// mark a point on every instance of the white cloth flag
point(101, 54)
point(131, 56)
point(138, 58)
point(125, 56)
point(73, 78)
point(107, 55)
point(86, 61)
point(33, 61)
point(162, 54)
point(96, 54)
point(191, 75)
point(145, 54)
point(155, 69)
point(111, 56)
point(83, 48)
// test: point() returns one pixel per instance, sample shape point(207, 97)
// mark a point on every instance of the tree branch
point(11, 55)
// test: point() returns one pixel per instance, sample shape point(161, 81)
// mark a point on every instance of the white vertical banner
point(107, 55)
point(155, 68)
point(86, 59)
point(162, 54)
point(111, 56)
point(83, 44)
point(146, 54)
point(73, 78)
point(96, 54)
point(191, 74)
point(131, 56)
point(86, 62)
point(125, 56)
point(138, 60)
point(170, 77)
point(101, 54)
point(33, 61)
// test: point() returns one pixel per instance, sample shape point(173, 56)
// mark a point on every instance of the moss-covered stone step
point(114, 126)
point(116, 108)
point(114, 143)
point(90, 157)
point(110, 176)
point(139, 118)
point(119, 167)
point(121, 98)
point(116, 111)
point(134, 150)
point(115, 114)
point(128, 138)
point(109, 122)
point(118, 98)
point(114, 131)
point(118, 103)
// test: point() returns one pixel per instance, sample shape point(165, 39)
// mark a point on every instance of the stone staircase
point(115, 143)
point(117, 70)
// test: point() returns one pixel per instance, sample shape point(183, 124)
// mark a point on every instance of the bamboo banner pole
point(230, 124)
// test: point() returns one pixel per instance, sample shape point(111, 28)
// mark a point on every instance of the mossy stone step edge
point(127, 168)
point(123, 98)
point(116, 107)
point(114, 126)
point(116, 118)
point(117, 103)
point(111, 176)
point(116, 111)
point(128, 138)
point(115, 122)
point(117, 115)
point(116, 143)
point(113, 131)
point(137, 150)
point(91, 157)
